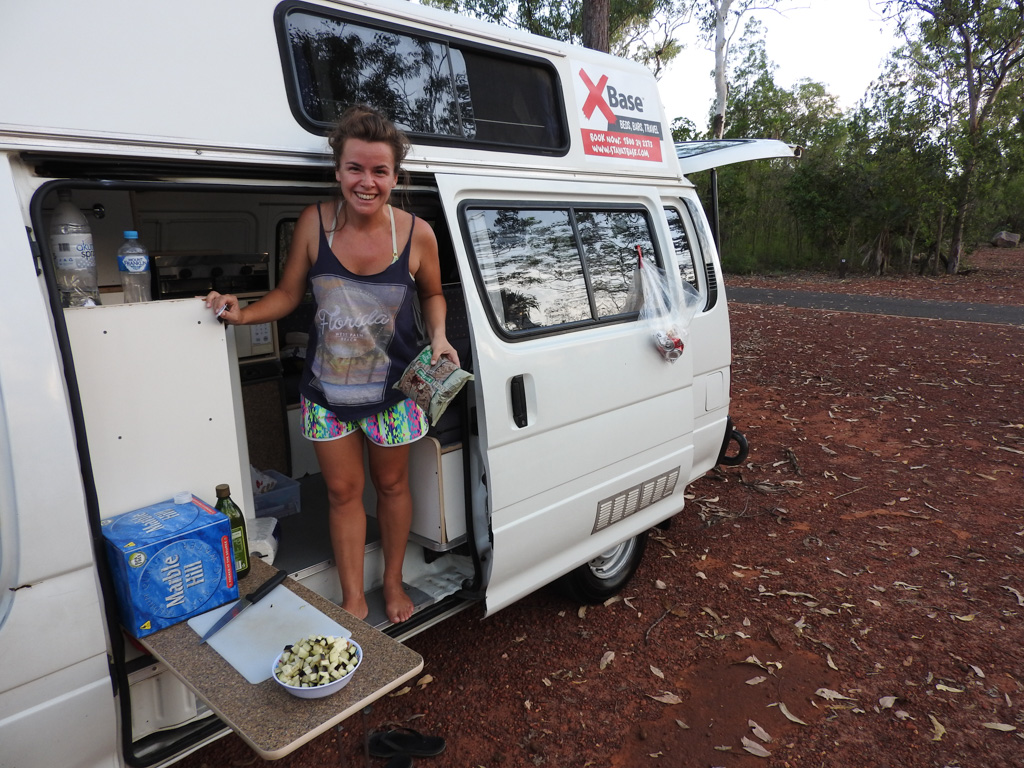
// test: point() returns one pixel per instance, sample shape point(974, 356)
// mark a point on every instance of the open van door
point(585, 432)
point(697, 156)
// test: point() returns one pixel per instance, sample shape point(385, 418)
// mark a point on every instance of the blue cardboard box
point(170, 562)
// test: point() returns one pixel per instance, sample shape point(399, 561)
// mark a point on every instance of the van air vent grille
point(632, 500)
point(709, 271)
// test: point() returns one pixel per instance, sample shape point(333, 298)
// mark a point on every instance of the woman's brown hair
point(365, 123)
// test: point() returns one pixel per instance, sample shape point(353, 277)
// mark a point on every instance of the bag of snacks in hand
point(432, 387)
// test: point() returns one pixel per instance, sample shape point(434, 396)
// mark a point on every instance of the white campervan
point(542, 168)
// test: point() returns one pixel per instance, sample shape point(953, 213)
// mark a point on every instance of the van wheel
point(605, 575)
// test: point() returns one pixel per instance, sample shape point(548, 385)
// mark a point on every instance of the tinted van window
point(681, 241)
point(434, 89)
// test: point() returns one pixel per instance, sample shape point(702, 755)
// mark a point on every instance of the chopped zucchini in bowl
point(317, 665)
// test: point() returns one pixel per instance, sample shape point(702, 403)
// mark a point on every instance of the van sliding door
point(585, 430)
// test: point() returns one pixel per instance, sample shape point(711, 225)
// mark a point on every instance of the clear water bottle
point(71, 245)
point(133, 264)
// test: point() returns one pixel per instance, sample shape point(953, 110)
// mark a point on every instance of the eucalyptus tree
point(973, 51)
point(774, 208)
point(720, 20)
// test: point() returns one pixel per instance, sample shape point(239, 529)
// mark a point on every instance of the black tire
point(605, 575)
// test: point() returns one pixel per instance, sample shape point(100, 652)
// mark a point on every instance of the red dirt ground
point(853, 595)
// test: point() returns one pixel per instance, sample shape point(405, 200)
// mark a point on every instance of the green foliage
point(558, 19)
point(643, 30)
point(780, 214)
point(920, 165)
point(683, 129)
point(972, 52)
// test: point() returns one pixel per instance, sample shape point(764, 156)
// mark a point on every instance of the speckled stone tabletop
point(268, 718)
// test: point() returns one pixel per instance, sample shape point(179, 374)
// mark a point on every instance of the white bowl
point(319, 691)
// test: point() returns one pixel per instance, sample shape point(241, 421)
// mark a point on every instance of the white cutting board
point(254, 638)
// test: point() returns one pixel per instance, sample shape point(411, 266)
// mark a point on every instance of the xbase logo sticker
point(616, 114)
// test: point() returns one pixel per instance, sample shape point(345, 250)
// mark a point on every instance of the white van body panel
point(234, 81)
point(67, 717)
point(47, 577)
point(709, 336)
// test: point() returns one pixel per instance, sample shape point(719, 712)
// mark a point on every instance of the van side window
point(681, 241)
point(434, 89)
point(543, 268)
point(704, 254)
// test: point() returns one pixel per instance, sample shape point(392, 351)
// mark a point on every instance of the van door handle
point(518, 392)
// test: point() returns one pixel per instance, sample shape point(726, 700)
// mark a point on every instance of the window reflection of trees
point(537, 268)
point(410, 79)
point(610, 242)
point(531, 263)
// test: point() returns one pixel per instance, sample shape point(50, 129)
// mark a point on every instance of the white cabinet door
point(160, 393)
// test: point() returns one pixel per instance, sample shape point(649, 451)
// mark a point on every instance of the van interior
point(234, 238)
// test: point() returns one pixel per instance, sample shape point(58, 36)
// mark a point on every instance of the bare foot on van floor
point(356, 606)
point(398, 605)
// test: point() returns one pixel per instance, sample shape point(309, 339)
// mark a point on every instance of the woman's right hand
point(225, 307)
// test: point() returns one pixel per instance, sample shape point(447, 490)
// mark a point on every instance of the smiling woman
point(366, 173)
point(363, 336)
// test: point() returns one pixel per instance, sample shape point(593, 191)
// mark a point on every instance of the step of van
point(378, 617)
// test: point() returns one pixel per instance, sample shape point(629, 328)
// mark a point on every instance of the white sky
point(839, 43)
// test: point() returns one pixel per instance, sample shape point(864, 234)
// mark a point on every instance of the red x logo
point(596, 98)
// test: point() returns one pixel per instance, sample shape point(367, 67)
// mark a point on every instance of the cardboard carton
point(170, 562)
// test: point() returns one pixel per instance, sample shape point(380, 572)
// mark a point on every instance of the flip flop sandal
point(400, 761)
point(405, 741)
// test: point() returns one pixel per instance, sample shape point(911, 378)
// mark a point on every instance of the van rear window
point(545, 268)
point(437, 90)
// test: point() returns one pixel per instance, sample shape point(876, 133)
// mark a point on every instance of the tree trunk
point(905, 270)
point(721, 16)
point(595, 24)
point(956, 245)
point(933, 257)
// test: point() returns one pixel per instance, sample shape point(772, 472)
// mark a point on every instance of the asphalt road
point(877, 305)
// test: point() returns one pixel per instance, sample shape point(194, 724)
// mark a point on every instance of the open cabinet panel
point(159, 384)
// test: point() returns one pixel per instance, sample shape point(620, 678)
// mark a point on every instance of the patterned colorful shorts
point(402, 423)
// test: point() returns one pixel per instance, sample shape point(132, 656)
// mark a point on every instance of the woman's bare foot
point(356, 606)
point(398, 605)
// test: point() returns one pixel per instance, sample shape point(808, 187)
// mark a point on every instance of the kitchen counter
point(268, 718)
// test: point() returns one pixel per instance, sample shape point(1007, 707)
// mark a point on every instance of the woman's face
point(367, 174)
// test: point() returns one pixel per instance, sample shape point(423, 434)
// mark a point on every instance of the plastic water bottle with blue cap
point(133, 264)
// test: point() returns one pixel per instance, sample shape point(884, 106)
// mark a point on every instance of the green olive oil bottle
point(238, 540)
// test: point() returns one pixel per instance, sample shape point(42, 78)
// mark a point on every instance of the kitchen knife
point(244, 602)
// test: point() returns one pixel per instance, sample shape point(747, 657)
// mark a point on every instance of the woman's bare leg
point(341, 462)
point(389, 470)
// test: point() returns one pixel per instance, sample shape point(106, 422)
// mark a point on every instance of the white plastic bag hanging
point(667, 309)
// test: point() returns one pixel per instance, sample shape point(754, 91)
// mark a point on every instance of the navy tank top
point(363, 335)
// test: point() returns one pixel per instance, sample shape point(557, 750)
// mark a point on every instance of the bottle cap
point(183, 498)
point(223, 491)
point(131, 234)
